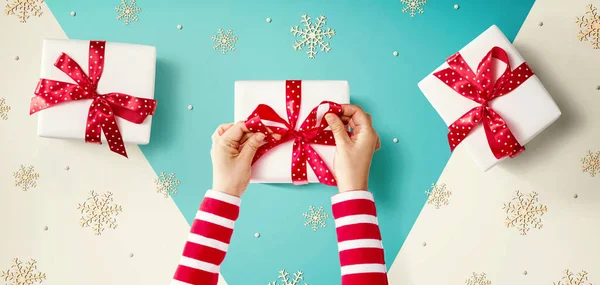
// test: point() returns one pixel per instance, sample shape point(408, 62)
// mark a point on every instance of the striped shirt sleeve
point(208, 240)
point(359, 239)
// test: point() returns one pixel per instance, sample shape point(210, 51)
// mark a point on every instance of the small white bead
point(67, 167)
point(597, 87)
point(46, 228)
point(424, 244)
point(396, 53)
point(269, 20)
point(456, 6)
point(395, 140)
point(73, 13)
point(179, 27)
point(256, 235)
point(131, 255)
point(525, 272)
point(575, 196)
point(17, 57)
point(190, 107)
point(540, 24)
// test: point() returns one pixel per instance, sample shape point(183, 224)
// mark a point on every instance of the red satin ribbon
point(104, 107)
point(312, 131)
point(480, 88)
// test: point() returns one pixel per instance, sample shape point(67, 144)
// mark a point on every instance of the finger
point(357, 114)
point(250, 147)
point(378, 144)
point(220, 130)
point(340, 133)
point(235, 132)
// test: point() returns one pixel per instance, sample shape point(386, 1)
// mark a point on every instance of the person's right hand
point(354, 152)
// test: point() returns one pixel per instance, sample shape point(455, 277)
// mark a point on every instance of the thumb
point(337, 126)
point(251, 145)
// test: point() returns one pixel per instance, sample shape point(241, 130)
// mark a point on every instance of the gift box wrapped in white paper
point(527, 110)
point(275, 165)
point(128, 69)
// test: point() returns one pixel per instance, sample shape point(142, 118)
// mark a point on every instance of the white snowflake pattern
point(26, 177)
point(571, 279)
point(478, 279)
point(23, 274)
point(4, 108)
point(413, 6)
point(99, 212)
point(438, 195)
point(166, 185)
point(24, 9)
point(224, 41)
point(312, 36)
point(315, 218)
point(524, 212)
point(128, 12)
point(283, 278)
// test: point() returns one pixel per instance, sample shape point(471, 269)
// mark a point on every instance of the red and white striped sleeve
point(359, 239)
point(208, 240)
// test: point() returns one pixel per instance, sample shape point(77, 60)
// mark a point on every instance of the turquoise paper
point(190, 72)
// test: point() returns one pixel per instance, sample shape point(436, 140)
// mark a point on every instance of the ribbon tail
point(319, 167)
point(299, 156)
point(461, 128)
point(501, 140)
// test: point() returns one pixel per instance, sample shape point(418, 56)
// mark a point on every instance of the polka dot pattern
point(309, 132)
point(482, 89)
point(103, 107)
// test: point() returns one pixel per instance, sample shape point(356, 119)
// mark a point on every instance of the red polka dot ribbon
point(104, 107)
point(311, 131)
point(480, 88)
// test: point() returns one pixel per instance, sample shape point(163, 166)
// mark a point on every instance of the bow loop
point(483, 88)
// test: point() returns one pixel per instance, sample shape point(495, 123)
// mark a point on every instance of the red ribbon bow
point(104, 107)
point(479, 88)
point(310, 132)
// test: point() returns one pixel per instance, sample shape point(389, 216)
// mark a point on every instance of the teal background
point(189, 71)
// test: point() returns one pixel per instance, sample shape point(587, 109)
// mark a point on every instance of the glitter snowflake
point(99, 212)
point(167, 185)
point(524, 212)
point(312, 36)
point(4, 108)
point(478, 279)
point(23, 274)
point(224, 41)
point(26, 177)
point(315, 218)
point(24, 9)
point(438, 195)
point(283, 278)
point(591, 163)
point(572, 279)
point(128, 11)
point(413, 6)
point(590, 27)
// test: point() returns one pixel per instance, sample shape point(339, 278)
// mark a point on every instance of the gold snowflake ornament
point(128, 12)
point(224, 41)
point(99, 212)
point(315, 218)
point(4, 108)
point(572, 279)
point(524, 212)
point(284, 278)
point(589, 25)
point(478, 279)
point(24, 9)
point(23, 273)
point(166, 185)
point(438, 195)
point(413, 7)
point(591, 163)
point(26, 177)
point(313, 36)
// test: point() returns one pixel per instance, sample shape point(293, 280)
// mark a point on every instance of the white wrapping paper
point(275, 166)
point(128, 69)
point(528, 110)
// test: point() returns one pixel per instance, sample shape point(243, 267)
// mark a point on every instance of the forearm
point(208, 240)
point(359, 239)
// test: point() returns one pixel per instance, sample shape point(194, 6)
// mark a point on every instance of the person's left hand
point(232, 152)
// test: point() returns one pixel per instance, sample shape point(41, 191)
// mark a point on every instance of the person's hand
point(354, 152)
point(232, 152)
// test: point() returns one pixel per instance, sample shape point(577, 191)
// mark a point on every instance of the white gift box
point(128, 69)
point(527, 110)
point(275, 165)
